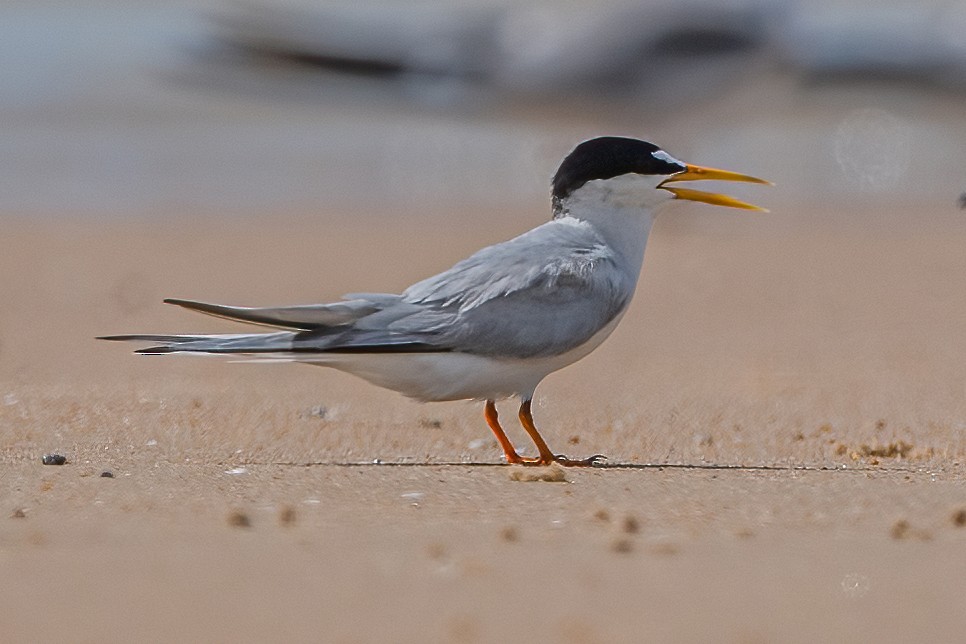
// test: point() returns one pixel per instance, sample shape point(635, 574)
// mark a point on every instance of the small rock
point(553, 473)
point(630, 525)
point(602, 515)
point(287, 516)
point(19, 513)
point(54, 459)
point(900, 529)
point(107, 474)
point(239, 519)
point(959, 518)
point(509, 534)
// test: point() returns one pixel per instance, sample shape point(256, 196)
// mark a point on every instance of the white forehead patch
point(661, 155)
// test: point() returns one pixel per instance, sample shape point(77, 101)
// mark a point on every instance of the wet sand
point(782, 408)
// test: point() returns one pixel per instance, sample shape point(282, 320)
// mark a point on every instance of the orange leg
point(546, 456)
point(526, 419)
point(493, 420)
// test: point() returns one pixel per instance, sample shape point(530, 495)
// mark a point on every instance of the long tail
point(311, 329)
point(243, 343)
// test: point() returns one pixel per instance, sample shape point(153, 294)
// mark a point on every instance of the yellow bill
point(698, 173)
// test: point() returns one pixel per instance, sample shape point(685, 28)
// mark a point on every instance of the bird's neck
point(624, 224)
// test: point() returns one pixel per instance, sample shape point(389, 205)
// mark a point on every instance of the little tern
point(498, 322)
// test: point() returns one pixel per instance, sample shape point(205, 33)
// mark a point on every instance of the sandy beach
point(782, 409)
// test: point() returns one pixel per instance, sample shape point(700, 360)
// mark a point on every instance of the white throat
point(621, 210)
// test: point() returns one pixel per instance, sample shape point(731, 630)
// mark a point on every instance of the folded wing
point(541, 294)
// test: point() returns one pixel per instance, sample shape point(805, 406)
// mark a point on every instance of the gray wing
point(542, 293)
point(315, 328)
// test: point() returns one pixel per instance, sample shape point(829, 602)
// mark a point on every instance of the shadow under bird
point(498, 322)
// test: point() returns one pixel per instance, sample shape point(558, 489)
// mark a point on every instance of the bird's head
point(635, 173)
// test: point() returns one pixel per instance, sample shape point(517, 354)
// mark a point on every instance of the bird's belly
point(442, 376)
point(457, 376)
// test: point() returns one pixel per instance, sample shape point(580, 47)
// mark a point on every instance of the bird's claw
point(584, 462)
point(560, 459)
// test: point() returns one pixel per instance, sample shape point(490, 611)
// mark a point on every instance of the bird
point(495, 324)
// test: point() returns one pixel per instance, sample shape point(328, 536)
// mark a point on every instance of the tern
point(498, 322)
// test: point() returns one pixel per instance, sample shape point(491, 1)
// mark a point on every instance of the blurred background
point(154, 109)
point(278, 152)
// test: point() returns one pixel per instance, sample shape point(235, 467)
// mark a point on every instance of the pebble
point(54, 459)
point(553, 473)
point(509, 534)
point(902, 529)
point(287, 516)
point(239, 519)
point(602, 515)
point(631, 525)
point(107, 474)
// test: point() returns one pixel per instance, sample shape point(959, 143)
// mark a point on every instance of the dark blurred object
point(54, 459)
point(962, 201)
point(917, 41)
point(652, 48)
point(641, 48)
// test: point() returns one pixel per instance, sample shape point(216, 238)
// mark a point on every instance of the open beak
point(697, 173)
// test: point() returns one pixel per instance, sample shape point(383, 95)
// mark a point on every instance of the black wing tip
point(128, 338)
point(155, 351)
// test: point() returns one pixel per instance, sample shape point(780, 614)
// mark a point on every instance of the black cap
point(610, 156)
